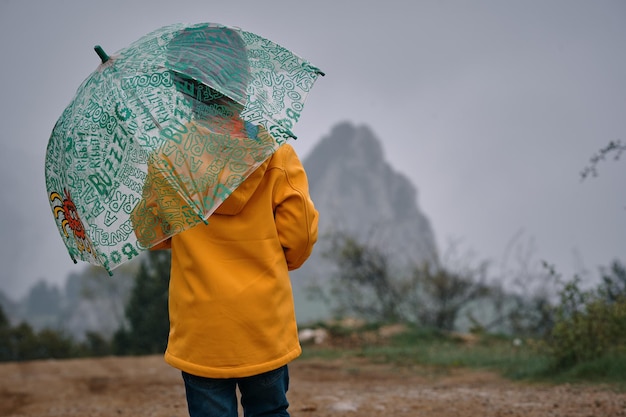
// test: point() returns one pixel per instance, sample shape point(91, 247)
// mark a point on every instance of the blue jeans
point(261, 395)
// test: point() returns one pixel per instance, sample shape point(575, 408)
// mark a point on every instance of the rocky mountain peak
point(354, 187)
point(357, 192)
point(356, 145)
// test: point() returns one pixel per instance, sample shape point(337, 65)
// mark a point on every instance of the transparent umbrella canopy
point(165, 130)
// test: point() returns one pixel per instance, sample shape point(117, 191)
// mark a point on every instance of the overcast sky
point(491, 108)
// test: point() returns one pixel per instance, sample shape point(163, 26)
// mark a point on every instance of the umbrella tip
point(103, 55)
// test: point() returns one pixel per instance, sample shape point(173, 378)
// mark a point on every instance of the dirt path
point(146, 386)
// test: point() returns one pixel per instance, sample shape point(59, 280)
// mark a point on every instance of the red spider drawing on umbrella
point(70, 220)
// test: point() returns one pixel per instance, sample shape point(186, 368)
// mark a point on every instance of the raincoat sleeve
point(146, 239)
point(166, 244)
point(145, 219)
point(295, 215)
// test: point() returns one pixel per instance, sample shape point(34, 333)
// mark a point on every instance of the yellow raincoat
point(230, 297)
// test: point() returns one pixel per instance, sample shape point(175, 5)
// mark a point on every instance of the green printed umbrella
point(163, 131)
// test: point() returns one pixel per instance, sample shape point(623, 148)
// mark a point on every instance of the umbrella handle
point(103, 55)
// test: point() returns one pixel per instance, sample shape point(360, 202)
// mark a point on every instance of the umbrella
point(165, 130)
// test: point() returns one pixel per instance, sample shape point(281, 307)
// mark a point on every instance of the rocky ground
point(146, 386)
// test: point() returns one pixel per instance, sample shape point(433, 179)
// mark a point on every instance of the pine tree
point(147, 309)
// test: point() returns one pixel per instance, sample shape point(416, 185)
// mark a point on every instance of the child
point(232, 317)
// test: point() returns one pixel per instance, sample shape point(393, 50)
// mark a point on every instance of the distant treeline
point(572, 325)
point(144, 329)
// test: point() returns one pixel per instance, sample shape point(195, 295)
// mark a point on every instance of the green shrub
point(22, 343)
point(588, 326)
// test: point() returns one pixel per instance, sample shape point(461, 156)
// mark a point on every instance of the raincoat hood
point(238, 199)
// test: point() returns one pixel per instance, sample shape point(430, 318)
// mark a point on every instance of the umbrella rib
point(147, 110)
